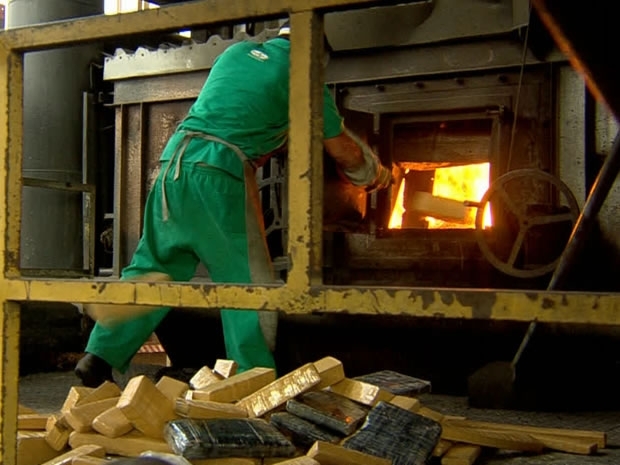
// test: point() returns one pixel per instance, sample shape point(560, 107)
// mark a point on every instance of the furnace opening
point(450, 203)
point(446, 170)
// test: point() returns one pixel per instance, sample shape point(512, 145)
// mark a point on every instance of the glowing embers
point(441, 198)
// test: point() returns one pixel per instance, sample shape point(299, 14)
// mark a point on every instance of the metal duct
point(54, 82)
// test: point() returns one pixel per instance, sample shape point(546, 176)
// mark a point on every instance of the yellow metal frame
point(303, 292)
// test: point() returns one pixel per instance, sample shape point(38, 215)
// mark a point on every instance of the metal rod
point(58, 185)
point(582, 229)
point(587, 219)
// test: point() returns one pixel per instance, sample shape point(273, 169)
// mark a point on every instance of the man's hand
point(370, 172)
point(383, 180)
point(357, 162)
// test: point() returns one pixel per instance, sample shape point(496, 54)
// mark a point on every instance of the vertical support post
point(9, 375)
point(11, 129)
point(130, 186)
point(119, 241)
point(306, 150)
point(11, 148)
point(88, 177)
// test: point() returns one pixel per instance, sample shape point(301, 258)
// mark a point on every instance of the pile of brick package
point(312, 415)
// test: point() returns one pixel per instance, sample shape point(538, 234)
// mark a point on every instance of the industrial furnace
point(495, 143)
point(470, 120)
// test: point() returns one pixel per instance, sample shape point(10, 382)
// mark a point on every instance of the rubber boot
point(93, 371)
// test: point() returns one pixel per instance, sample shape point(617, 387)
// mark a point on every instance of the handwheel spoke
point(510, 204)
point(516, 247)
point(549, 219)
point(518, 207)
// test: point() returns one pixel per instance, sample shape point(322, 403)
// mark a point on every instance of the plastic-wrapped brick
point(397, 434)
point(397, 383)
point(219, 438)
point(328, 409)
point(302, 432)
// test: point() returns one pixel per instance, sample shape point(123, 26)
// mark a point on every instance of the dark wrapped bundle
point(397, 383)
point(328, 409)
point(397, 434)
point(226, 437)
point(303, 433)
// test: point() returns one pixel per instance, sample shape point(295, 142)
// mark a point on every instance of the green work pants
point(206, 223)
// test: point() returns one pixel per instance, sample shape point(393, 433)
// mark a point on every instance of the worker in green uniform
point(203, 205)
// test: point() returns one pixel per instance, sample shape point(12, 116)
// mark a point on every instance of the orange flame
point(462, 183)
point(468, 182)
point(396, 219)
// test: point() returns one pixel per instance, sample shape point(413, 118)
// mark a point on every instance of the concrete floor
point(45, 392)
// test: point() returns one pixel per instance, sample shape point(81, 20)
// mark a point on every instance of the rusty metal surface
point(187, 15)
point(305, 175)
point(530, 180)
point(88, 226)
point(342, 68)
point(300, 294)
point(128, 185)
point(422, 23)
point(435, 21)
point(491, 97)
point(586, 222)
point(142, 131)
point(9, 374)
point(167, 60)
point(543, 306)
point(11, 93)
point(11, 145)
point(570, 122)
point(605, 132)
point(432, 59)
point(154, 89)
point(467, 92)
point(412, 250)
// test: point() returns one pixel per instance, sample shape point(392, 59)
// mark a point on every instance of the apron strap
point(259, 260)
point(180, 150)
point(261, 269)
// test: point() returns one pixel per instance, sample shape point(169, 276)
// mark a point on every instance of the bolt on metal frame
point(303, 292)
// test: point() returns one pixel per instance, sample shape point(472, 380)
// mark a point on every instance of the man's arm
point(344, 151)
point(357, 161)
point(354, 157)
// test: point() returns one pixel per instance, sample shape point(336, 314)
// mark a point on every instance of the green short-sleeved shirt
point(245, 102)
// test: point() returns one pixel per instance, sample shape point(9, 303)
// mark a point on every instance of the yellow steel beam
point(10, 102)
point(305, 178)
point(9, 374)
point(168, 18)
point(557, 307)
point(303, 292)
point(11, 89)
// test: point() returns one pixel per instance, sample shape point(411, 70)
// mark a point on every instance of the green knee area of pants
point(206, 223)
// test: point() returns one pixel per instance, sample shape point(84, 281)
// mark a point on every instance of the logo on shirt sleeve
point(258, 55)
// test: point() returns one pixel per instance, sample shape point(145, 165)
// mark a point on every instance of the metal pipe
point(51, 230)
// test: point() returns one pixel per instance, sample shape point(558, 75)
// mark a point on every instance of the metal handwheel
point(525, 219)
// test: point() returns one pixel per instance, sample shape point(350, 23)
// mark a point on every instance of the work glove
point(372, 175)
point(382, 181)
